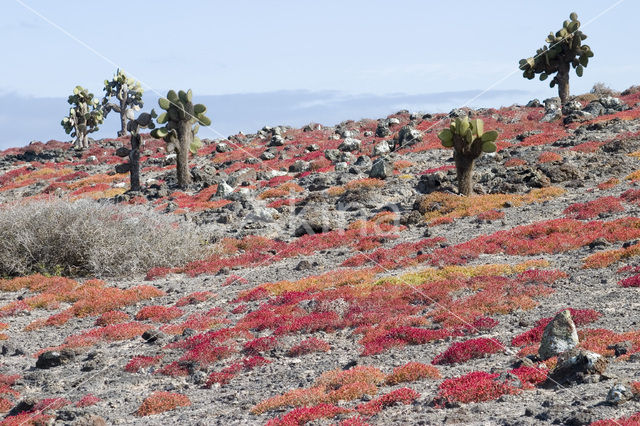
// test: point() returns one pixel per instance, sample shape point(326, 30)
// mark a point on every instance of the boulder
point(332, 155)
point(619, 393)
point(380, 169)
point(382, 130)
point(382, 148)
point(350, 145)
point(224, 190)
point(559, 336)
point(299, 166)
point(578, 366)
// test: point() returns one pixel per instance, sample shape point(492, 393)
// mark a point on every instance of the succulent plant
point(181, 121)
point(565, 50)
point(145, 121)
point(84, 116)
point(468, 140)
point(128, 92)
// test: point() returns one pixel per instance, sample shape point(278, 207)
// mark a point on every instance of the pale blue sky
point(377, 48)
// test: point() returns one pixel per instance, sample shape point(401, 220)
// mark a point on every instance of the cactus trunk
point(134, 161)
point(563, 83)
point(185, 137)
point(123, 118)
point(464, 172)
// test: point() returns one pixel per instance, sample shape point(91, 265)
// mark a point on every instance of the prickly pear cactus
point(468, 140)
point(565, 50)
point(84, 116)
point(144, 121)
point(181, 121)
point(128, 94)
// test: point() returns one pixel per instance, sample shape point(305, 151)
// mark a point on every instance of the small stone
point(153, 335)
point(51, 359)
point(303, 265)
point(619, 394)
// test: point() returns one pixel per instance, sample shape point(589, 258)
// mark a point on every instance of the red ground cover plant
point(470, 349)
point(403, 395)
point(159, 402)
point(477, 386)
point(633, 281)
point(490, 215)
point(303, 415)
point(549, 157)
point(514, 162)
point(633, 420)
point(308, 346)
point(531, 376)
point(411, 372)
point(330, 387)
point(595, 208)
point(157, 313)
point(157, 272)
point(87, 401)
point(140, 361)
point(112, 317)
point(194, 298)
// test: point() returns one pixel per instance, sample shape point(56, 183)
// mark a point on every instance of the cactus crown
point(467, 134)
point(120, 81)
point(179, 108)
point(84, 115)
point(564, 47)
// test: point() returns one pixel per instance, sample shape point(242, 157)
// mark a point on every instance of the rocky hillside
point(346, 282)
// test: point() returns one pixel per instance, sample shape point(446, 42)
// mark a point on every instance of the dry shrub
point(602, 89)
point(87, 238)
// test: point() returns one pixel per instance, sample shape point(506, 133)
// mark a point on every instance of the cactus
point(84, 116)
point(468, 140)
point(128, 92)
point(179, 131)
point(145, 121)
point(565, 50)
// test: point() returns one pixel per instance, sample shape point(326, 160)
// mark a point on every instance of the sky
point(271, 62)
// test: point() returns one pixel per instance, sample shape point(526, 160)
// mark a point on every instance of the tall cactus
point(84, 116)
point(145, 121)
point(179, 131)
point(128, 93)
point(565, 50)
point(468, 140)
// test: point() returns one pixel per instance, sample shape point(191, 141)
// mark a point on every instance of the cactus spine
point(565, 50)
point(181, 121)
point(128, 93)
point(84, 116)
point(145, 121)
point(468, 140)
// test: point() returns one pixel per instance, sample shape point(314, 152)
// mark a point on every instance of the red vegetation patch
point(549, 157)
point(303, 415)
point(633, 420)
point(112, 317)
point(87, 401)
point(530, 376)
point(139, 362)
point(194, 298)
point(403, 395)
point(595, 208)
point(157, 313)
point(159, 402)
point(474, 387)
point(633, 281)
point(410, 372)
point(471, 349)
point(308, 346)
